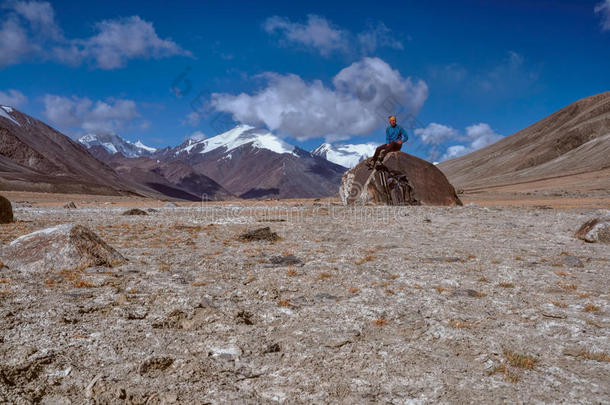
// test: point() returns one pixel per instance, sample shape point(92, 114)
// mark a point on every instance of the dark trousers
point(388, 147)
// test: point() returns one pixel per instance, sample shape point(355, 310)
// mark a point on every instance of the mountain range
point(248, 162)
point(244, 162)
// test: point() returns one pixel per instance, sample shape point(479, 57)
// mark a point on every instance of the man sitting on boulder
point(395, 135)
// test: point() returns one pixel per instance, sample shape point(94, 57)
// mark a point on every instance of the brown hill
point(572, 141)
point(36, 157)
point(170, 179)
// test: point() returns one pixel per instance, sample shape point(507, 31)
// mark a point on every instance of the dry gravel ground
point(375, 305)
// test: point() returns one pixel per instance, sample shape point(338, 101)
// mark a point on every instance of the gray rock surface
point(197, 316)
point(6, 211)
point(63, 247)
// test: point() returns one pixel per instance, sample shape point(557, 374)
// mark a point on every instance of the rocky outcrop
point(595, 230)
point(401, 179)
point(64, 247)
point(6, 211)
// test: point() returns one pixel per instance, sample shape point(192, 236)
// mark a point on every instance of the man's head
point(392, 120)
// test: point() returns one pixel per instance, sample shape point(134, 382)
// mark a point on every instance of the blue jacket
point(392, 134)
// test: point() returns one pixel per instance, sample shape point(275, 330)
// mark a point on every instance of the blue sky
point(469, 72)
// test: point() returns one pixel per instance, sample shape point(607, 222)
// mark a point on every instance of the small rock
point(170, 204)
point(466, 293)
point(152, 210)
point(272, 348)
point(135, 211)
point(155, 364)
point(70, 205)
point(595, 230)
point(572, 261)
point(449, 283)
point(288, 260)
point(259, 234)
point(6, 211)
point(325, 296)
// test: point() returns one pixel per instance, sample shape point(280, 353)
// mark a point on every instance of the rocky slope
point(36, 157)
point(575, 139)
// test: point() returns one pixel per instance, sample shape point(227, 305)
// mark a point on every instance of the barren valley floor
point(351, 305)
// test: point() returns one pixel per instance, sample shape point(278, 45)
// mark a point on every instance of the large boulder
point(595, 230)
point(401, 179)
point(6, 211)
point(64, 247)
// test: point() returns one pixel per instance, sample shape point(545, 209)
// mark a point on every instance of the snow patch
point(347, 155)
point(4, 112)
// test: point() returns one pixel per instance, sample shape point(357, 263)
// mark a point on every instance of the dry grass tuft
point(284, 303)
point(4, 281)
point(199, 283)
point(483, 280)
point(82, 284)
point(390, 292)
point(291, 272)
point(367, 258)
point(323, 276)
point(380, 322)
point(519, 258)
point(417, 286)
point(523, 361)
point(508, 376)
point(354, 290)
point(440, 289)
point(506, 285)
point(460, 324)
point(599, 356)
point(559, 304)
point(591, 308)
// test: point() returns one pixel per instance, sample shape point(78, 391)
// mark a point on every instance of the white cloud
point(436, 134)
point(376, 37)
point(41, 17)
point(321, 35)
point(117, 41)
point(362, 96)
point(29, 31)
point(478, 136)
point(603, 8)
point(317, 33)
point(86, 115)
point(193, 119)
point(12, 98)
point(14, 44)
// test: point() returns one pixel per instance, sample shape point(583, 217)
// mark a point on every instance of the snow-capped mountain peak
point(347, 155)
point(113, 143)
point(236, 137)
point(5, 111)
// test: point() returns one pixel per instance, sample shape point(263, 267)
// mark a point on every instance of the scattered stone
point(272, 348)
point(70, 205)
point(170, 204)
point(152, 210)
point(64, 247)
point(155, 365)
point(572, 261)
point(442, 259)
point(325, 296)
point(244, 317)
point(135, 211)
point(595, 230)
point(466, 293)
point(259, 234)
point(6, 211)
point(288, 260)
